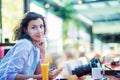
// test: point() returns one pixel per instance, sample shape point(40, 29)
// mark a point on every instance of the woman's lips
point(38, 36)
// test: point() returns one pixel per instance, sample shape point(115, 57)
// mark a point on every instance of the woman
point(23, 60)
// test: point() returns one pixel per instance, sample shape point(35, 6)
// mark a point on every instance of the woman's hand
point(54, 73)
point(41, 45)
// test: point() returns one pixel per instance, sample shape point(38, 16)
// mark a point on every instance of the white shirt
point(22, 58)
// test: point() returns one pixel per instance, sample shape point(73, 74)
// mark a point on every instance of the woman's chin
point(38, 40)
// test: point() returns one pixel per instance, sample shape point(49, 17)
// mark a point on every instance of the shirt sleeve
point(17, 61)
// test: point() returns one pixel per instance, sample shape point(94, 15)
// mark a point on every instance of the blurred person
point(82, 59)
point(81, 54)
point(70, 55)
point(23, 60)
point(57, 59)
point(70, 58)
point(69, 64)
point(97, 55)
point(1, 51)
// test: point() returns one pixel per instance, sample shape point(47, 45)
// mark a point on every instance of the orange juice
point(48, 60)
point(45, 70)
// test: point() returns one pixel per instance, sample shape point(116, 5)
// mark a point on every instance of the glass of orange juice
point(45, 70)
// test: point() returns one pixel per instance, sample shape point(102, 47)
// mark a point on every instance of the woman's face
point(35, 29)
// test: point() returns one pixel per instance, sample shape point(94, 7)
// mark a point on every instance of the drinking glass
point(45, 70)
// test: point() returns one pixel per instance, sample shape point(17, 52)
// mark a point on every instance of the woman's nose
point(39, 30)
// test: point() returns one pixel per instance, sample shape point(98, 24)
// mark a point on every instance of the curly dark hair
point(19, 31)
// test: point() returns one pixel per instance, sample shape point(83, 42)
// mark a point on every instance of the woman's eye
point(41, 26)
point(33, 27)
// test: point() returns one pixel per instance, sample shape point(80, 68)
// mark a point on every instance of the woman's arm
point(23, 77)
point(52, 73)
point(38, 69)
point(42, 48)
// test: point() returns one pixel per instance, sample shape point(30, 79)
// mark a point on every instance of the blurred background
point(79, 28)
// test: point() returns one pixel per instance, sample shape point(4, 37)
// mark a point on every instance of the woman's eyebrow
point(34, 25)
point(37, 25)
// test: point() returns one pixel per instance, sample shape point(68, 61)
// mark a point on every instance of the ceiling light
point(80, 2)
point(47, 5)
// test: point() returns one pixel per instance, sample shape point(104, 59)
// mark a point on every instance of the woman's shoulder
point(25, 43)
